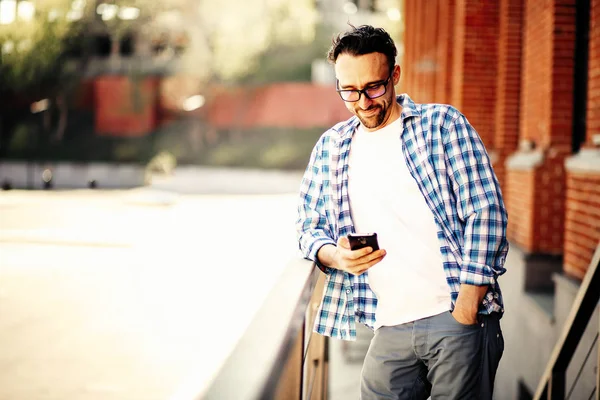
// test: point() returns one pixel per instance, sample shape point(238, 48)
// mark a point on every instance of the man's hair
point(363, 40)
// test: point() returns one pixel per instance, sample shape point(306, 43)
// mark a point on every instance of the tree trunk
point(63, 110)
point(46, 121)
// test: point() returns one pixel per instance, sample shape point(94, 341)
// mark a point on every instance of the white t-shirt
point(410, 282)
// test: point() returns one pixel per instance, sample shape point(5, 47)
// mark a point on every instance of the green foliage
point(22, 138)
point(162, 150)
point(228, 154)
point(126, 151)
point(282, 64)
point(32, 61)
point(262, 148)
point(285, 62)
point(280, 154)
point(235, 33)
point(171, 139)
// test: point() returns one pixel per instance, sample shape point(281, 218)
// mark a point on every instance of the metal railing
point(553, 382)
point(279, 357)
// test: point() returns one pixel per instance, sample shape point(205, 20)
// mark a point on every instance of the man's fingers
point(373, 255)
point(372, 262)
point(360, 253)
point(358, 261)
point(355, 255)
point(358, 269)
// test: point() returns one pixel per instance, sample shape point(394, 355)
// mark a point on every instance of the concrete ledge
point(586, 161)
point(566, 292)
point(494, 157)
point(525, 160)
point(539, 269)
point(66, 175)
point(542, 303)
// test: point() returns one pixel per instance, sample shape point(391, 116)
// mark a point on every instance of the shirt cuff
point(476, 274)
point(315, 249)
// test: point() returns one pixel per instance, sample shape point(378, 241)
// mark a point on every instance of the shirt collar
point(409, 109)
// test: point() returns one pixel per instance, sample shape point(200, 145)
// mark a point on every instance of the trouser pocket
point(493, 348)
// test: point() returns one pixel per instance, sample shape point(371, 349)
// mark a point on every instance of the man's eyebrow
point(350, 87)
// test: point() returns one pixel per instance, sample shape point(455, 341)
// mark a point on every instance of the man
point(419, 176)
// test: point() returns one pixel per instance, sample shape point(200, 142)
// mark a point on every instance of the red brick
point(124, 107)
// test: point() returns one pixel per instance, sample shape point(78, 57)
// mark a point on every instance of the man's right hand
point(343, 258)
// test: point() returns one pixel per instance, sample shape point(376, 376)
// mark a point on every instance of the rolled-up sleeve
point(480, 205)
point(313, 230)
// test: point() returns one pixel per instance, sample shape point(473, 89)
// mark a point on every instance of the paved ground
point(119, 294)
point(345, 365)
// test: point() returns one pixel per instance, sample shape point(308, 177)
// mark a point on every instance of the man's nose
point(364, 102)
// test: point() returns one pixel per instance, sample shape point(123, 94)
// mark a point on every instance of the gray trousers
point(435, 356)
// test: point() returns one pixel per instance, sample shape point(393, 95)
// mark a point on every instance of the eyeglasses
point(371, 92)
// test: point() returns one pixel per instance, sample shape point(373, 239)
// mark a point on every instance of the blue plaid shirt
point(448, 160)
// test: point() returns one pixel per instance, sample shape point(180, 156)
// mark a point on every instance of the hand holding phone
point(347, 254)
point(360, 240)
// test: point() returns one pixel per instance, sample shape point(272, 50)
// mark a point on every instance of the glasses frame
point(363, 91)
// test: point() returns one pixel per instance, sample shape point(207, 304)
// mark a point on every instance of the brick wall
point(547, 85)
point(582, 226)
point(421, 64)
point(546, 120)
point(406, 78)
point(451, 57)
point(125, 108)
point(519, 199)
point(513, 60)
point(458, 49)
point(429, 63)
point(476, 62)
point(506, 129)
point(422, 89)
point(549, 206)
point(444, 56)
point(593, 109)
point(274, 105)
point(563, 67)
point(536, 86)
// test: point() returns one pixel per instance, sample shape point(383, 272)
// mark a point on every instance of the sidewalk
point(345, 364)
point(82, 217)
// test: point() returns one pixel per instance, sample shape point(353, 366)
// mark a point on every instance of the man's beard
point(373, 121)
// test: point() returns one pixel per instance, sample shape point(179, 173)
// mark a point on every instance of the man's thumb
point(343, 242)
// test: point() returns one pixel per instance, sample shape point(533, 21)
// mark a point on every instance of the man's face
point(364, 71)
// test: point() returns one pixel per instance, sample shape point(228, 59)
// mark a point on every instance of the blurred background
point(195, 82)
point(150, 155)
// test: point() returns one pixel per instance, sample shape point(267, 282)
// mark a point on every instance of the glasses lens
point(349, 95)
point(376, 91)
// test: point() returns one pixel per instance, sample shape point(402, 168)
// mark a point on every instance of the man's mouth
point(369, 112)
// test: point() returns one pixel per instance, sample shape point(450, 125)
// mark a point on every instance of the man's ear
point(397, 74)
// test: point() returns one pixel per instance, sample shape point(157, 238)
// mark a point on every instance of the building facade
point(526, 73)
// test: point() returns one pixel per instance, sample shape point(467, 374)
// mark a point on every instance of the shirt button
point(482, 324)
point(348, 291)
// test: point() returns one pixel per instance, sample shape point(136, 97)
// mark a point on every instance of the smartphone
point(360, 240)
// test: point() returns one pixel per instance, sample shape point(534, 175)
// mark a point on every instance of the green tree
point(33, 66)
